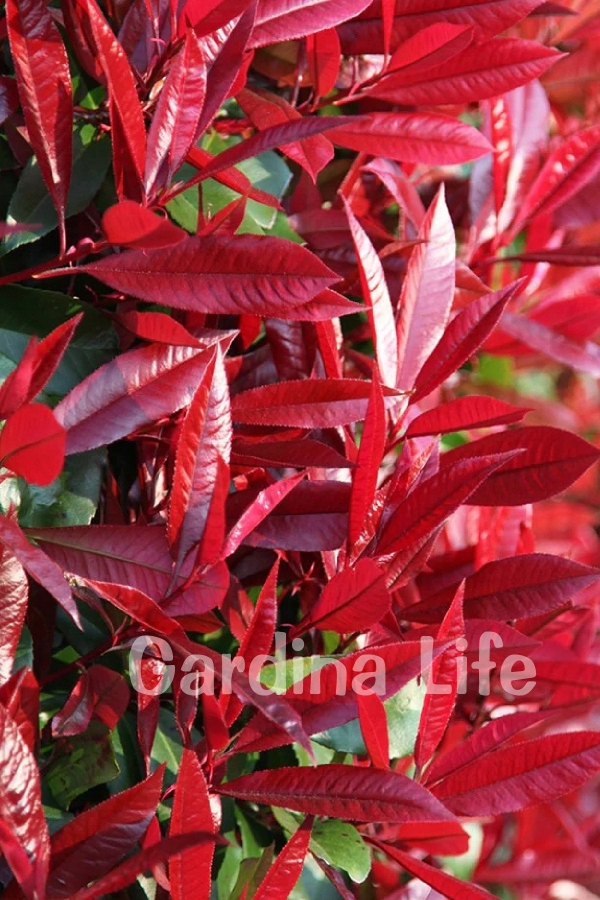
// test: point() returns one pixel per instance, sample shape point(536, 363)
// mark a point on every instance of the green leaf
point(31, 202)
point(71, 499)
point(340, 845)
point(24, 655)
point(80, 763)
point(28, 311)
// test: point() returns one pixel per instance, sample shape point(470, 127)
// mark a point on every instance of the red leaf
point(323, 56)
point(572, 165)
point(377, 299)
point(429, 47)
point(370, 456)
point(413, 137)
point(307, 403)
point(96, 840)
point(32, 444)
point(443, 684)
point(174, 127)
point(479, 71)
point(518, 776)
point(258, 510)
point(100, 693)
point(131, 225)
point(159, 327)
point(281, 21)
point(283, 875)
point(44, 85)
point(258, 637)
point(353, 600)
point(21, 811)
point(298, 454)
point(433, 500)
point(514, 588)
point(265, 110)
point(144, 861)
point(41, 568)
point(581, 357)
point(190, 871)
point(203, 448)
point(461, 339)
point(13, 607)
point(48, 354)
point(260, 275)
point(281, 135)
point(465, 413)
point(427, 293)
point(374, 728)
point(551, 460)
point(134, 390)
point(16, 388)
point(128, 134)
point(441, 882)
point(341, 792)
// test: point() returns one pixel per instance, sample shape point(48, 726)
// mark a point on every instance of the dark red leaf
point(96, 840)
point(370, 455)
point(353, 600)
point(443, 883)
point(99, 694)
point(374, 727)
point(550, 461)
point(342, 792)
point(281, 878)
point(259, 275)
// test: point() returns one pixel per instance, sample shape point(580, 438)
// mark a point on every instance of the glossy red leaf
point(96, 840)
point(429, 47)
point(341, 792)
point(129, 392)
point(465, 413)
point(44, 85)
point(434, 499)
point(21, 810)
point(479, 71)
point(550, 461)
point(129, 224)
point(257, 511)
point(283, 875)
point(266, 110)
point(461, 339)
point(202, 459)
point(259, 275)
point(308, 403)
point(571, 166)
point(297, 454)
point(281, 21)
point(353, 600)
point(13, 607)
point(16, 388)
point(32, 444)
point(374, 728)
point(174, 127)
point(443, 883)
point(128, 134)
point(521, 775)
point(232, 178)
point(99, 694)
point(190, 871)
point(427, 293)
point(377, 299)
point(49, 353)
point(370, 456)
point(442, 685)
point(41, 568)
point(427, 138)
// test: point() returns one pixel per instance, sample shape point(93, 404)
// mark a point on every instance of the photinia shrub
point(299, 553)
